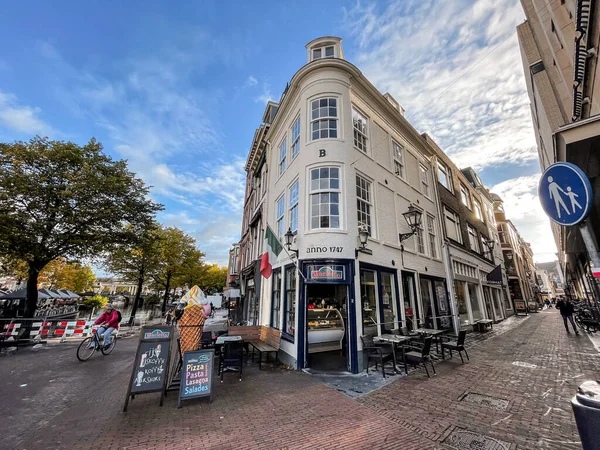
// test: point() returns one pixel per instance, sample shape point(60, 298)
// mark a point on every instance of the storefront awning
point(495, 276)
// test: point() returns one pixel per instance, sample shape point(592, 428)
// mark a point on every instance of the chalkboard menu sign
point(196, 375)
point(151, 365)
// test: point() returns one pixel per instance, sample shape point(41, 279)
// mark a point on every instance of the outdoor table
point(224, 338)
point(436, 334)
point(395, 339)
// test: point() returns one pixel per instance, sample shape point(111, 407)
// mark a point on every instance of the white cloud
point(420, 51)
point(22, 118)
point(251, 81)
point(523, 208)
point(266, 95)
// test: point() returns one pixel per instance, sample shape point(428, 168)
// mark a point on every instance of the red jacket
point(111, 318)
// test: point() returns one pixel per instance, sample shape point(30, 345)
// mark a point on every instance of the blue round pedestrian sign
point(565, 193)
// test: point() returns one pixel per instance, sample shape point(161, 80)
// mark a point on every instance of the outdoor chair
point(458, 345)
point(232, 358)
point(206, 339)
point(380, 353)
point(416, 358)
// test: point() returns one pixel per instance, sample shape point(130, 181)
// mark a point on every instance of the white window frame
point(312, 192)
point(445, 170)
point(477, 209)
point(473, 239)
point(485, 250)
point(295, 146)
point(433, 249)
point(360, 130)
point(325, 118)
point(420, 240)
point(293, 207)
point(424, 177)
point(456, 223)
point(322, 50)
point(368, 203)
point(398, 159)
point(465, 196)
point(282, 156)
point(280, 216)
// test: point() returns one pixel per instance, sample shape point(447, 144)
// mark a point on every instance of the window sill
point(326, 230)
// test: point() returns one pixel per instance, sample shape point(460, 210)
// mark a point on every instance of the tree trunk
point(166, 297)
point(32, 293)
point(138, 295)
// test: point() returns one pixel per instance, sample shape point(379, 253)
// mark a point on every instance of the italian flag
point(272, 249)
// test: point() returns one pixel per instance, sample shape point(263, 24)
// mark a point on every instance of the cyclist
point(108, 321)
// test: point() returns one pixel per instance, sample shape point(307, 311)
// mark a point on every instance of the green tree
point(61, 199)
point(175, 247)
point(61, 274)
point(193, 270)
point(213, 279)
point(15, 268)
point(96, 301)
point(136, 260)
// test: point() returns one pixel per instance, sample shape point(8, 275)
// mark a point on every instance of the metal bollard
point(586, 409)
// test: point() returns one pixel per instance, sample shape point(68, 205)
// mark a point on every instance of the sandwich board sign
point(196, 375)
point(151, 365)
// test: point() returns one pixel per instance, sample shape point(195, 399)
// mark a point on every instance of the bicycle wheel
point(83, 352)
point(107, 350)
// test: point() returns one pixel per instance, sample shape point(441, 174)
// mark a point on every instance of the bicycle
point(84, 352)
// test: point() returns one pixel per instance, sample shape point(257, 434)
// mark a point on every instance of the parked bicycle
point(94, 343)
point(585, 318)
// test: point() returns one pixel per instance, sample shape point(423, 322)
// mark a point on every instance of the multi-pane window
point(325, 198)
point(477, 207)
point(296, 138)
point(323, 121)
point(364, 202)
point(464, 196)
point(323, 52)
point(294, 206)
point(280, 217)
point(424, 175)
point(485, 249)
point(359, 124)
point(445, 176)
point(431, 232)
point(282, 156)
point(276, 299)
point(473, 241)
point(452, 225)
point(419, 239)
point(289, 313)
point(398, 155)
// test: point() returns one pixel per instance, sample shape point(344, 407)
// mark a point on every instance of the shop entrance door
point(327, 325)
point(488, 303)
point(411, 303)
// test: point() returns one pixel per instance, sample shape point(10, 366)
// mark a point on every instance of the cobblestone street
point(520, 380)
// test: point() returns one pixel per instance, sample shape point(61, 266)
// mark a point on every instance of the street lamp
point(413, 218)
point(363, 237)
point(289, 237)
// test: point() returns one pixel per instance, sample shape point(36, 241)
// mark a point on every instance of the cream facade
point(339, 155)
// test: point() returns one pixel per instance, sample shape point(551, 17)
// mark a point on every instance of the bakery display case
point(325, 330)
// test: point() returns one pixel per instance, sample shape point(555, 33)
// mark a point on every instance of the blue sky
point(178, 89)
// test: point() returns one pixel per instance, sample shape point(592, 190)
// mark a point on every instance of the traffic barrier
point(50, 329)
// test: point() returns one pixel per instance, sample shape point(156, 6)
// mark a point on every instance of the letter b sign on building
point(565, 193)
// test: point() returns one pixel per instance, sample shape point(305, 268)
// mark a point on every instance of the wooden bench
point(483, 325)
point(262, 340)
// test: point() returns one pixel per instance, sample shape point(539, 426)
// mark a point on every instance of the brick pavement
point(277, 409)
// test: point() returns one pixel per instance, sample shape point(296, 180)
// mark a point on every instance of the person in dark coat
point(566, 311)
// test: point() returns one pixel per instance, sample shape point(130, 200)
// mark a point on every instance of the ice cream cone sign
point(191, 323)
point(195, 297)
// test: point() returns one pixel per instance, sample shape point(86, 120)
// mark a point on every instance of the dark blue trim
point(352, 333)
point(278, 270)
point(394, 272)
point(284, 334)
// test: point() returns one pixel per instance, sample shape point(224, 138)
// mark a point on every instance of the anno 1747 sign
point(565, 193)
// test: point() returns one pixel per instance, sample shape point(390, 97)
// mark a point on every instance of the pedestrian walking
point(169, 316)
point(548, 305)
point(566, 311)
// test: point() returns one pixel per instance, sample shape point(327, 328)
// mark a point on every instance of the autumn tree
point(136, 260)
point(61, 199)
point(61, 274)
point(15, 268)
point(175, 247)
point(193, 270)
point(213, 279)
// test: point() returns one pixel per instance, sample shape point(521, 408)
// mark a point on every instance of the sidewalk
point(523, 377)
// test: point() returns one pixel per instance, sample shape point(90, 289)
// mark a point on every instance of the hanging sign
point(565, 193)
point(326, 272)
point(196, 375)
point(151, 364)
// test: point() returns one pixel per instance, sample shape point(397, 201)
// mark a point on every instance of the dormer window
point(323, 52)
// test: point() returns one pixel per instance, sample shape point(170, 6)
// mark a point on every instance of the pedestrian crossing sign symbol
point(565, 193)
